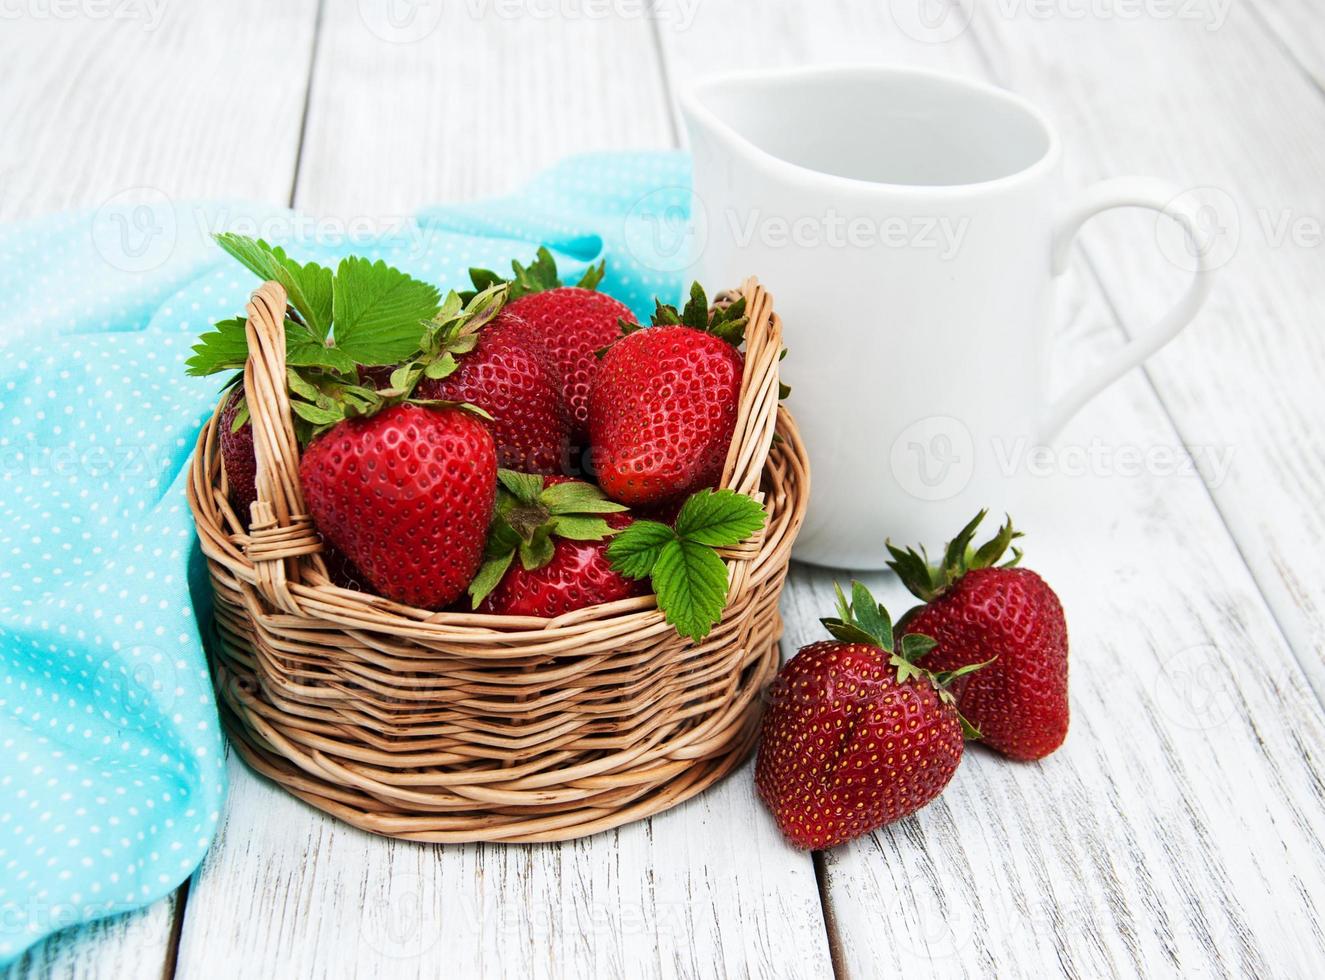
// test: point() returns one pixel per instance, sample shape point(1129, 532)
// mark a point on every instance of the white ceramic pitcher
point(910, 226)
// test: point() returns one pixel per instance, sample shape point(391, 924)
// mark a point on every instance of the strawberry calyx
point(726, 321)
point(928, 581)
point(862, 619)
point(540, 276)
point(529, 516)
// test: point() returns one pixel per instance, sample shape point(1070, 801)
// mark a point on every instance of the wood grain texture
point(1300, 29)
point(481, 100)
point(144, 99)
point(1139, 848)
point(162, 99)
point(135, 945)
point(701, 890)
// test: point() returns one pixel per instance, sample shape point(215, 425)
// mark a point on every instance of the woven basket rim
point(299, 576)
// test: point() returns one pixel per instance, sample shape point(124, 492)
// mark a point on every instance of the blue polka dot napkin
point(111, 759)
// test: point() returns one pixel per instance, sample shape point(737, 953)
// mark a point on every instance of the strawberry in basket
point(857, 734)
point(406, 495)
point(547, 550)
point(663, 405)
point(567, 325)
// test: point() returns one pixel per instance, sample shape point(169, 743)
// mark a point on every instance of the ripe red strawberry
point(566, 324)
point(407, 495)
point(503, 376)
point(547, 551)
point(569, 325)
point(662, 409)
point(237, 456)
point(980, 611)
point(856, 735)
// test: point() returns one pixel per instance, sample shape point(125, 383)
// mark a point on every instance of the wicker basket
point(460, 727)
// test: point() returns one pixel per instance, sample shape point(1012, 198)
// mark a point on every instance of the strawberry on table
point(547, 552)
point(663, 406)
point(406, 495)
point(857, 733)
point(979, 610)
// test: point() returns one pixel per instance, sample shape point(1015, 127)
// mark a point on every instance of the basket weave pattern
point(455, 726)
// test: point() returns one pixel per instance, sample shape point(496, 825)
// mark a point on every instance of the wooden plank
point(152, 102)
point(478, 103)
point(183, 100)
point(1243, 131)
point(136, 945)
point(701, 890)
point(1178, 830)
point(1299, 28)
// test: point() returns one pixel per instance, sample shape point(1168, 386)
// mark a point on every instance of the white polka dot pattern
point(111, 759)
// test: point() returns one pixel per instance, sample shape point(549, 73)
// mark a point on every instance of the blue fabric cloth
point(111, 759)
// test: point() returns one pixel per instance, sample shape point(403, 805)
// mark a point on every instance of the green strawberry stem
point(527, 519)
point(862, 619)
point(928, 581)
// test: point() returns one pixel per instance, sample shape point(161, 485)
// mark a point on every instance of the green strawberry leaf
point(539, 550)
point(379, 311)
point(635, 550)
point(593, 276)
point(489, 576)
point(578, 498)
point(691, 584)
point(525, 487)
point(871, 616)
point(303, 348)
point(719, 518)
point(916, 645)
point(576, 528)
point(223, 348)
point(308, 287)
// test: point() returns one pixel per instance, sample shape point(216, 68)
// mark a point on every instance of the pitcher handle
point(1122, 192)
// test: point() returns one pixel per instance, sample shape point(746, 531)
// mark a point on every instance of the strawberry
point(237, 456)
point(662, 409)
point(506, 379)
point(857, 734)
point(978, 611)
point(466, 358)
point(567, 325)
point(406, 494)
point(559, 529)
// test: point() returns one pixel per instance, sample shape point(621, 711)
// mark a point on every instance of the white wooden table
point(1179, 830)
